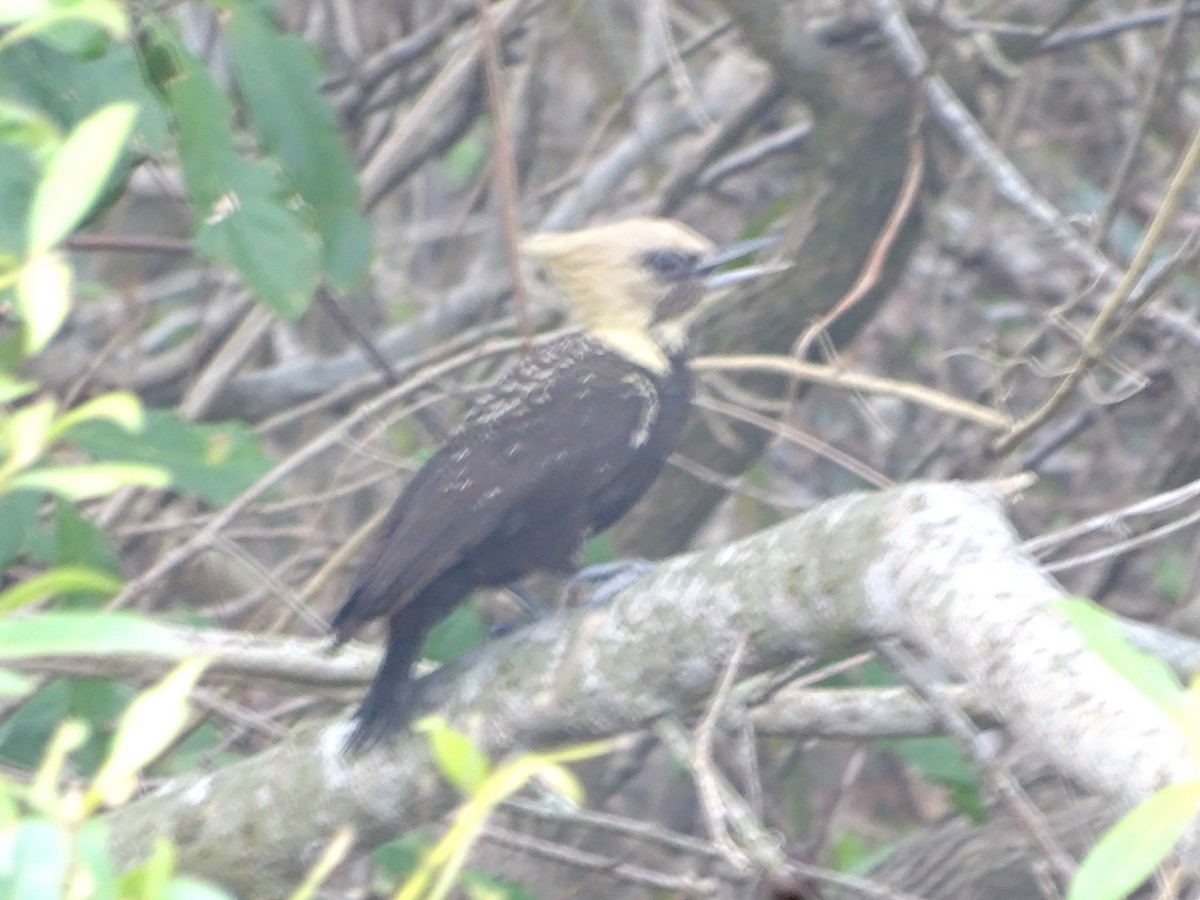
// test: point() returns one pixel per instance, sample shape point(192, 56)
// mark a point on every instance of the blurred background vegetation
point(253, 257)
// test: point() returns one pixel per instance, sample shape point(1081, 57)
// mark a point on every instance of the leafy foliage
point(942, 761)
point(1102, 632)
point(461, 631)
point(214, 462)
point(467, 767)
point(241, 207)
point(278, 79)
point(86, 98)
point(46, 91)
point(51, 843)
point(1133, 848)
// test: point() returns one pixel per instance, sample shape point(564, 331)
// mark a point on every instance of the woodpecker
point(558, 449)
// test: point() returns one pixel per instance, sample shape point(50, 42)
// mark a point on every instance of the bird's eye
point(669, 265)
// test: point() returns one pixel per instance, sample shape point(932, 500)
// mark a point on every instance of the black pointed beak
point(715, 278)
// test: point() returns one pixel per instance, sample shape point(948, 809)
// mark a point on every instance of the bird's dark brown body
point(558, 449)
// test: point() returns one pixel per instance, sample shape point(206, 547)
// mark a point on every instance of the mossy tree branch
point(937, 565)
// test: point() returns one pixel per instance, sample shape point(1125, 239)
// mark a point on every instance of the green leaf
point(56, 581)
point(44, 790)
point(460, 760)
point(1173, 574)
point(560, 780)
point(25, 735)
point(38, 856)
point(95, 704)
point(203, 746)
point(11, 389)
point(19, 513)
point(43, 298)
point(244, 217)
point(43, 93)
point(91, 480)
point(16, 11)
point(14, 684)
point(1102, 634)
point(149, 880)
point(77, 174)
point(441, 866)
point(485, 886)
point(942, 761)
point(80, 542)
point(91, 850)
point(466, 159)
point(279, 80)
point(216, 462)
point(185, 888)
point(32, 130)
point(67, 633)
point(462, 630)
point(154, 719)
point(332, 855)
point(19, 173)
point(1132, 849)
point(10, 813)
point(26, 435)
point(35, 16)
point(597, 549)
point(398, 858)
point(67, 87)
point(253, 230)
point(119, 407)
point(98, 702)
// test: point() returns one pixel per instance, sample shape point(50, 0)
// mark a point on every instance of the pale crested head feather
point(604, 277)
point(617, 243)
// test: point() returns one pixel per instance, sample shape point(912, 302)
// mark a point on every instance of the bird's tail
point(388, 705)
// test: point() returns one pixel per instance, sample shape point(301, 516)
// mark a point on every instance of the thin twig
point(973, 141)
point(857, 381)
point(1121, 548)
point(763, 846)
point(1086, 34)
point(332, 305)
point(795, 436)
point(1007, 789)
point(129, 243)
point(643, 831)
point(1095, 342)
point(1149, 101)
point(704, 768)
point(613, 867)
point(504, 169)
point(881, 249)
point(1113, 518)
point(819, 841)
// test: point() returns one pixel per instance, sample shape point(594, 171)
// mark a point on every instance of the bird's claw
point(606, 580)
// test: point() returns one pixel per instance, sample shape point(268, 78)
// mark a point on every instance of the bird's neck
point(650, 351)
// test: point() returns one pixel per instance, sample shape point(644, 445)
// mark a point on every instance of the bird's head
point(632, 284)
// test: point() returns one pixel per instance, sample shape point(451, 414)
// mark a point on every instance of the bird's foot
point(500, 629)
point(533, 607)
point(531, 604)
point(606, 580)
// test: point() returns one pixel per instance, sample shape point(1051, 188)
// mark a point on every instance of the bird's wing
point(551, 433)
